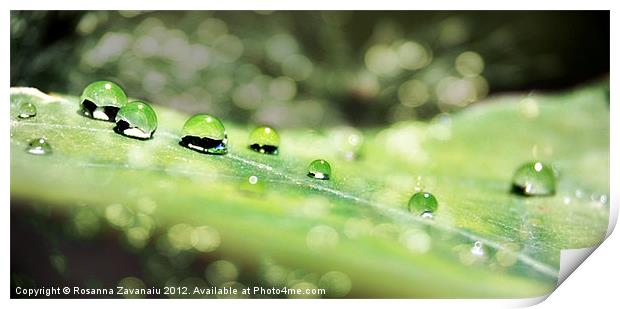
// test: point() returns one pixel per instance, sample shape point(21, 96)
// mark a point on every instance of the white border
point(595, 281)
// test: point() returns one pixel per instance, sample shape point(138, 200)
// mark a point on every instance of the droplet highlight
point(423, 203)
point(137, 119)
point(265, 139)
point(26, 110)
point(102, 100)
point(319, 169)
point(39, 146)
point(534, 179)
point(205, 133)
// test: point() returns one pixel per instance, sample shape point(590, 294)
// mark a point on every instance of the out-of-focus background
point(297, 69)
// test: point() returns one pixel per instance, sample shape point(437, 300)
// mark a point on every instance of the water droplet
point(205, 133)
point(477, 249)
point(39, 146)
point(534, 178)
point(253, 185)
point(102, 100)
point(319, 169)
point(264, 139)
point(136, 119)
point(26, 110)
point(423, 202)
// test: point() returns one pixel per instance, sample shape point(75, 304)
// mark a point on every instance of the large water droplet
point(264, 139)
point(136, 119)
point(319, 169)
point(39, 146)
point(205, 133)
point(102, 100)
point(534, 178)
point(423, 203)
point(26, 110)
point(427, 215)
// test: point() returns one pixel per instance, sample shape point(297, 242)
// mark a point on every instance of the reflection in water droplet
point(26, 110)
point(264, 139)
point(204, 133)
point(422, 202)
point(534, 178)
point(319, 169)
point(39, 146)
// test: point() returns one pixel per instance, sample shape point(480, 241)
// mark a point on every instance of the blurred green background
point(310, 68)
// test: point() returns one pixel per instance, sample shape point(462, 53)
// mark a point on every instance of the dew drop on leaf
point(39, 146)
point(102, 100)
point(427, 215)
point(264, 139)
point(205, 133)
point(319, 169)
point(477, 249)
point(534, 178)
point(136, 119)
point(423, 203)
point(26, 110)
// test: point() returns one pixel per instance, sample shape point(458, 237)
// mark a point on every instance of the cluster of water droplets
point(204, 133)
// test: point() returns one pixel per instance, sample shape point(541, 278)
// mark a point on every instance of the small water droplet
point(26, 110)
point(534, 178)
point(265, 139)
point(253, 185)
point(39, 146)
point(422, 202)
point(102, 100)
point(319, 169)
point(419, 186)
point(477, 249)
point(205, 133)
point(136, 119)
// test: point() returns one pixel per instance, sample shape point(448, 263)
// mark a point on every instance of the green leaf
point(357, 222)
